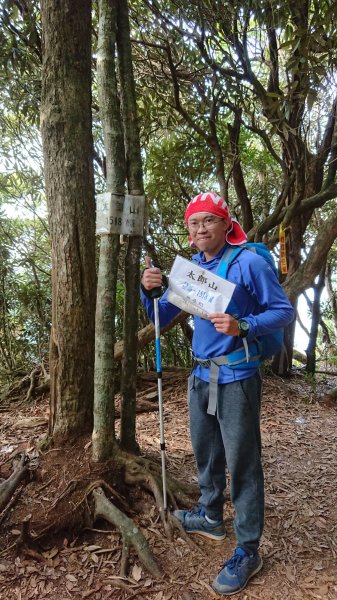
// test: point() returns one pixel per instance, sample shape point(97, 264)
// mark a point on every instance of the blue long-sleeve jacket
point(259, 299)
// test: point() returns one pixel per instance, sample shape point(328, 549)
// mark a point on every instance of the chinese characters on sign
point(196, 290)
point(122, 215)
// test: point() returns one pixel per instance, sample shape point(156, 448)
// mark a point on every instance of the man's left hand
point(225, 323)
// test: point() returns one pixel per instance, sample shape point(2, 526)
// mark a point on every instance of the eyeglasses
point(207, 223)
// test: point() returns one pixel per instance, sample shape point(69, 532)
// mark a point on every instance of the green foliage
point(24, 295)
point(175, 352)
point(21, 55)
point(175, 166)
point(198, 66)
point(24, 240)
point(269, 66)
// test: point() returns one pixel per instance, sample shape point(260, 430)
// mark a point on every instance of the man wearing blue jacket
point(225, 425)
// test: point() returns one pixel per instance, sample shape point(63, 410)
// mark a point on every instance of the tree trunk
point(237, 174)
point(68, 153)
point(294, 243)
point(304, 276)
point(315, 319)
point(132, 258)
point(129, 367)
point(103, 436)
point(332, 295)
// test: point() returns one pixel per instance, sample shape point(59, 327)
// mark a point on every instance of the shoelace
point(198, 510)
point(234, 561)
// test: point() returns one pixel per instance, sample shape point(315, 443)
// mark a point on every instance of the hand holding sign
point(197, 290)
point(225, 323)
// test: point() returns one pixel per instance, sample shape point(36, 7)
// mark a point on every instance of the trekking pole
point(155, 294)
point(160, 399)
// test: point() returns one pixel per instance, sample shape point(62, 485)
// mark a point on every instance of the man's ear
point(227, 225)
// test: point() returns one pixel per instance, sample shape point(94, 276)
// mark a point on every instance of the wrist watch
point(243, 328)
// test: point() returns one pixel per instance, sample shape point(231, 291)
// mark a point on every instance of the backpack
point(271, 343)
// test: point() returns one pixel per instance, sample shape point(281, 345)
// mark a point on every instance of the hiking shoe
point(194, 521)
point(236, 572)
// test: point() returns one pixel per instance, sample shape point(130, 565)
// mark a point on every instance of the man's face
point(208, 232)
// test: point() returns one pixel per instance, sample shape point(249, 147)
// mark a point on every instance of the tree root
point(134, 474)
point(179, 492)
point(125, 559)
point(33, 378)
point(36, 383)
point(105, 509)
point(132, 536)
point(26, 544)
point(70, 488)
point(12, 501)
point(138, 471)
point(8, 487)
point(93, 502)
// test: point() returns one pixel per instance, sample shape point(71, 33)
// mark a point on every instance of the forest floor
point(299, 544)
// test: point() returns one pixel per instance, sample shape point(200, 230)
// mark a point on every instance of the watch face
point(244, 328)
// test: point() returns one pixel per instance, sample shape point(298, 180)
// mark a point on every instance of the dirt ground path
point(299, 545)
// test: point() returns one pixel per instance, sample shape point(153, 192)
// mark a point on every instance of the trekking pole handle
point(155, 292)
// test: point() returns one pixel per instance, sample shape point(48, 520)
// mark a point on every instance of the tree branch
point(305, 275)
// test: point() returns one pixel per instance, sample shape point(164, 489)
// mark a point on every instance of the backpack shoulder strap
point(229, 255)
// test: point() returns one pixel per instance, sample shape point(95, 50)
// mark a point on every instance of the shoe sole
point(258, 568)
point(210, 536)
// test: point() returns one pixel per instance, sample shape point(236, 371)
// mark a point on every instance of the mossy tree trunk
point(133, 253)
point(68, 154)
point(103, 436)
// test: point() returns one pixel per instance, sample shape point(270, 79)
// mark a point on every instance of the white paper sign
point(123, 215)
point(196, 290)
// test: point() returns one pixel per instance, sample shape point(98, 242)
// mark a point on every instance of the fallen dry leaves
point(299, 544)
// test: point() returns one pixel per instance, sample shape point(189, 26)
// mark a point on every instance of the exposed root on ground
point(82, 501)
point(8, 487)
point(34, 384)
point(137, 469)
point(26, 544)
point(131, 534)
point(143, 472)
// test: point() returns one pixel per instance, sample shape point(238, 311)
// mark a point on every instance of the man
point(229, 434)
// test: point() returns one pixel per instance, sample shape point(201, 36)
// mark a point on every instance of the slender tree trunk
point(238, 179)
point(103, 436)
point(315, 319)
point(332, 295)
point(132, 258)
point(68, 154)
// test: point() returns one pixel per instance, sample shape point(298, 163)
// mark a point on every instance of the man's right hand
point(152, 277)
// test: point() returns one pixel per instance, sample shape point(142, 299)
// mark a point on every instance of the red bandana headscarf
point(210, 202)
